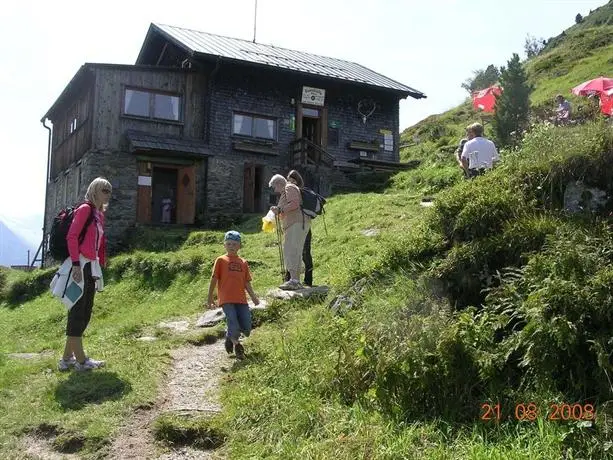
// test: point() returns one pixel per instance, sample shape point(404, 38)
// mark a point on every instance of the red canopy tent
point(485, 99)
point(606, 102)
point(602, 86)
point(597, 85)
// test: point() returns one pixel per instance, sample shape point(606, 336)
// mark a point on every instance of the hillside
point(493, 295)
point(579, 53)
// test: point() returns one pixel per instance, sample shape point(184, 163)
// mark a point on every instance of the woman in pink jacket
point(88, 256)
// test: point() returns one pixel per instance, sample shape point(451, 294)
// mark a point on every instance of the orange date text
point(530, 411)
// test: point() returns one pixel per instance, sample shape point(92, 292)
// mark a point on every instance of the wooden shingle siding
point(67, 146)
point(110, 122)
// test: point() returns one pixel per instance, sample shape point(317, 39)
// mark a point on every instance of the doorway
point(252, 188)
point(164, 196)
point(311, 129)
point(311, 124)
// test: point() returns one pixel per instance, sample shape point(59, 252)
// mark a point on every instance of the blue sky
point(432, 46)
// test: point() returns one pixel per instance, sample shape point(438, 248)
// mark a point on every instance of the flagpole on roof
point(255, 19)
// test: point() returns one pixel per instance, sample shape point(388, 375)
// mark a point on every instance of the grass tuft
point(176, 430)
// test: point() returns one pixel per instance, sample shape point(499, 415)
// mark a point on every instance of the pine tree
point(482, 79)
point(513, 105)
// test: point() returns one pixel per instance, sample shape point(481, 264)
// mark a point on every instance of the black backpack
point(312, 203)
point(58, 246)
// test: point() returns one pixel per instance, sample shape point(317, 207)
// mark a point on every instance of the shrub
point(469, 269)
point(2, 279)
point(558, 317)
point(477, 208)
point(411, 360)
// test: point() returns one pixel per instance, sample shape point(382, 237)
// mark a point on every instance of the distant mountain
point(17, 237)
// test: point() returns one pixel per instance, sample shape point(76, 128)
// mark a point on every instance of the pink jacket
point(289, 202)
point(88, 245)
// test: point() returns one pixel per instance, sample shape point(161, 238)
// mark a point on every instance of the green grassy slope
point(581, 52)
point(434, 334)
point(143, 289)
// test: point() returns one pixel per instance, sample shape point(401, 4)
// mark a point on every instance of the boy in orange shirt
point(232, 274)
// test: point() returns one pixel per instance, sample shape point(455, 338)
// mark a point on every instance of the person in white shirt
point(479, 154)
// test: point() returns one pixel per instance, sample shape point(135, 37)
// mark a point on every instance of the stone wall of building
point(70, 187)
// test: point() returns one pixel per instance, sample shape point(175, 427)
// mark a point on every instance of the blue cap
point(232, 235)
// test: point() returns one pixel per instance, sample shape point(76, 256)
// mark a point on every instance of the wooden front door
point(186, 195)
point(312, 124)
point(249, 188)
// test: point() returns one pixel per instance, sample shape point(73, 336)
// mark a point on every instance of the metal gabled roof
point(255, 53)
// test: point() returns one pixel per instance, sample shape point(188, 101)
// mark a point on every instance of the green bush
point(477, 208)
point(468, 269)
point(410, 359)
point(556, 316)
point(2, 279)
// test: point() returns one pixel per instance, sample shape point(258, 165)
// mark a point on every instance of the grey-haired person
point(295, 225)
point(296, 178)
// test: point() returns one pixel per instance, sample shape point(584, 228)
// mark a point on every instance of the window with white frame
point(255, 126)
point(152, 104)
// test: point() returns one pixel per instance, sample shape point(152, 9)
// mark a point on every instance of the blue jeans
point(238, 319)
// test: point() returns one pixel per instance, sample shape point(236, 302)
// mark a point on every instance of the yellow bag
point(268, 226)
point(268, 222)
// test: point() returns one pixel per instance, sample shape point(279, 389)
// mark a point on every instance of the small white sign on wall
point(313, 96)
point(144, 180)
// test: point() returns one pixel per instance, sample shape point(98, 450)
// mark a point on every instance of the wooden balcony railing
point(304, 152)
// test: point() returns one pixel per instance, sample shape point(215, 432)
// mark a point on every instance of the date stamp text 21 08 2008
point(492, 411)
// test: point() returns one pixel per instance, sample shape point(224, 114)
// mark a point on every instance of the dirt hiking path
point(192, 388)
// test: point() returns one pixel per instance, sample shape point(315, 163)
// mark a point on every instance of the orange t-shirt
point(232, 273)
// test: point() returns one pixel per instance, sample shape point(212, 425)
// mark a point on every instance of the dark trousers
point(81, 312)
point(308, 262)
point(472, 173)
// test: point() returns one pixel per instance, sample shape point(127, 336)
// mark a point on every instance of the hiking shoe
point(88, 365)
point(291, 285)
point(239, 350)
point(229, 345)
point(64, 365)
